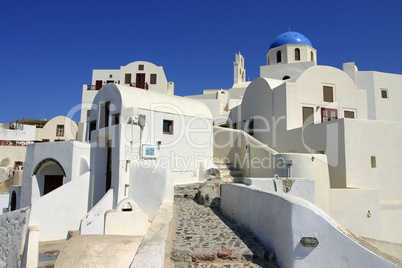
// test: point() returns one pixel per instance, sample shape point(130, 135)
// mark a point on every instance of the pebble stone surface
point(204, 237)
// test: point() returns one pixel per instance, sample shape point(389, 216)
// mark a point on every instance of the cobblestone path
point(204, 237)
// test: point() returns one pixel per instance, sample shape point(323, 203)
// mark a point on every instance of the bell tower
point(239, 71)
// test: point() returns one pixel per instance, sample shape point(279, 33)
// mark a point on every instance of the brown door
point(109, 167)
point(140, 81)
point(52, 182)
point(98, 84)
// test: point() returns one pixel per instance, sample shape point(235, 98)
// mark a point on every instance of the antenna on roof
point(289, 29)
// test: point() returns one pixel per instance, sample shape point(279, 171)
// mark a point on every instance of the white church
point(315, 141)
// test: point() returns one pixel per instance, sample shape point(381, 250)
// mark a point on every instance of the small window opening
point(141, 67)
point(279, 56)
point(92, 126)
point(373, 162)
point(308, 116)
point(116, 119)
point(127, 207)
point(328, 94)
point(127, 79)
point(153, 79)
point(286, 77)
point(60, 131)
point(349, 114)
point(234, 126)
point(251, 126)
point(384, 93)
point(297, 54)
point(110, 76)
point(168, 127)
point(312, 56)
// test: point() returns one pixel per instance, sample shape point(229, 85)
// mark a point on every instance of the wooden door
point(52, 182)
point(140, 81)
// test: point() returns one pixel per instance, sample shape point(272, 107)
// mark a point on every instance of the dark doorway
point(13, 201)
point(109, 166)
point(98, 84)
point(52, 182)
point(140, 81)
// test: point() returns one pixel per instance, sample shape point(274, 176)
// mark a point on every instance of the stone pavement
point(204, 237)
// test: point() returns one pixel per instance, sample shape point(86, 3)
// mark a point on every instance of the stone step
point(226, 265)
point(186, 191)
point(49, 252)
point(233, 173)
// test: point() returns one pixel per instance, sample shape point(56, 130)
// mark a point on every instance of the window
point(312, 56)
point(116, 119)
point(384, 93)
point(297, 54)
point(308, 116)
point(60, 131)
point(349, 114)
point(110, 81)
point(127, 79)
point(328, 93)
point(250, 129)
point(286, 77)
point(168, 127)
point(88, 113)
point(328, 114)
point(92, 126)
point(373, 162)
point(278, 56)
point(104, 115)
point(110, 76)
point(141, 67)
point(153, 79)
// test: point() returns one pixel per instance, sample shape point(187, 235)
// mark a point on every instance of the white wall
point(61, 210)
point(73, 156)
point(94, 221)
point(26, 134)
point(288, 219)
point(309, 166)
point(50, 129)
point(4, 202)
point(379, 108)
point(118, 76)
point(358, 210)
point(150, 186)
point(10, 154)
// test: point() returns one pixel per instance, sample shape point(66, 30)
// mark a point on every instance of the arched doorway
point(49, 174)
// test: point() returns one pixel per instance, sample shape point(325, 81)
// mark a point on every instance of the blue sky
point(49, 48)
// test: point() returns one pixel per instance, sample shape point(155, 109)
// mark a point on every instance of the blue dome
point(293, 38)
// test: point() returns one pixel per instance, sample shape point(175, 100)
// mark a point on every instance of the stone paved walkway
point(206, 238)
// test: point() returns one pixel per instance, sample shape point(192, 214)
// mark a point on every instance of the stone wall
point(13, 228)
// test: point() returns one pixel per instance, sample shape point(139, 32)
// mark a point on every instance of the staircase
point(229, 173)
point(49, 251)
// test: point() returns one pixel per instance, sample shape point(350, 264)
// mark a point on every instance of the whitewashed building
point(297, 106)
point(140, 74)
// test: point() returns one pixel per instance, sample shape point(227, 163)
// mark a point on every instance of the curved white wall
point(281, 221)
